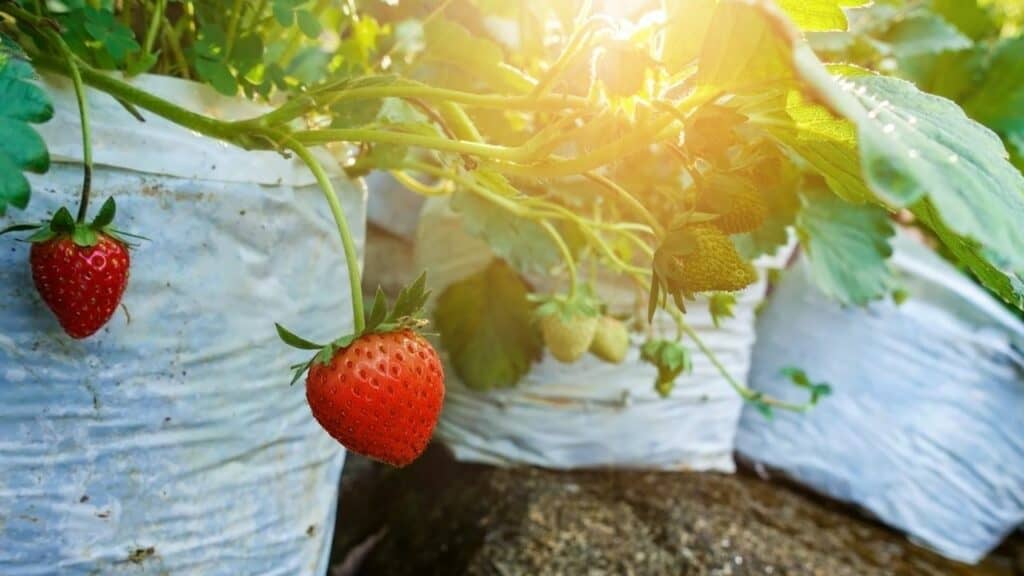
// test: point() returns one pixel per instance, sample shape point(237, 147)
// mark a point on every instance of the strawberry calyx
point(404, 314)
point(582, 304)
point(83, 234)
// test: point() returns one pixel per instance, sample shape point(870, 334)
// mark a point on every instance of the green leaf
point(22, 99)
point(21, 148)
point(686, 28)
point(847, 247)
point(999, 99)
point(14, 187)
point(142, 64)
point(23, 145)
point(106, 214)
point(968, 16)
point(915, 145)
point(116, 39)
point(912, 145)
point(308, 23)
point(523, 243)
point(1007, 285)
point(798, 377)
point(819, 14)
point(487, 328)
point(294, 341)
point(218, 75)
point(923, 33)
point(478, 58)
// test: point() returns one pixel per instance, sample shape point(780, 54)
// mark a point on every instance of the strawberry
point(611, 340)
point(568, 337)
point(82, 285)
point(568, 324)
point(79, 269)
point(380, 396)
point(378, 392)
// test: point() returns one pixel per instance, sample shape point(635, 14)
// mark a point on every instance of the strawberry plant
point(669, 148)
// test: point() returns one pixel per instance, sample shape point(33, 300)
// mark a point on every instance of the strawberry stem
point(83, 113)
point(351, 256)
point(570, 262)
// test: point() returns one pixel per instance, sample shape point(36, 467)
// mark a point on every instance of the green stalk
point(628, 198)
point(459, 122)
point(124, 91)
point(257, 15)
point(570, 262)
point(351, 256)
point(744, 392)
point(174, 42)
point(154, 26)
point(323, 98)
point(83, 114)
point(236, 15)
point(314, 137)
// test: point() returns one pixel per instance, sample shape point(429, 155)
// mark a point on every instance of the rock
point(442, 517)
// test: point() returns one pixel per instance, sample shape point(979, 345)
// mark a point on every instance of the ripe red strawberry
point(378, 391)
point(380, 396)
point(79, 268)
point(82, 285)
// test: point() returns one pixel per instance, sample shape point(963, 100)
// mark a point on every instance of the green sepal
point(404, 315)
point(652, 301)
point(670, 358)
point(105, 217)
point(84, 236)
point(410, 301)
point(289, 338)
point(584, 304)
point(63, 222)
point(20, 228)
point(43, 234)
point(379, 311)
point(721, 306)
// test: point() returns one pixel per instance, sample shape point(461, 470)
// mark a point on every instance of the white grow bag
point(925, 426)
point(592, 414)
point(170, 442)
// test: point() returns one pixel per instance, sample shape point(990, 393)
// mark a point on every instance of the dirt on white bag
point(925, 425)
point(170, 442)
point(592, 414)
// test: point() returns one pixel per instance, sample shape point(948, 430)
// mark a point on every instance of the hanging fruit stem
point(83, 114)
point(351, 256)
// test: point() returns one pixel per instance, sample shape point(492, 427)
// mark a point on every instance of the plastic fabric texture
point(924, 427)
point(170, 442)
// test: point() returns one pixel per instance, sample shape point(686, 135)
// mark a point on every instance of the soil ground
point(446, 518)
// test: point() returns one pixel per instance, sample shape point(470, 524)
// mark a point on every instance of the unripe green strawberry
point(713, 264)
point(568, 337)
point(736, 200)
point(611, 340)
point(741, 209)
